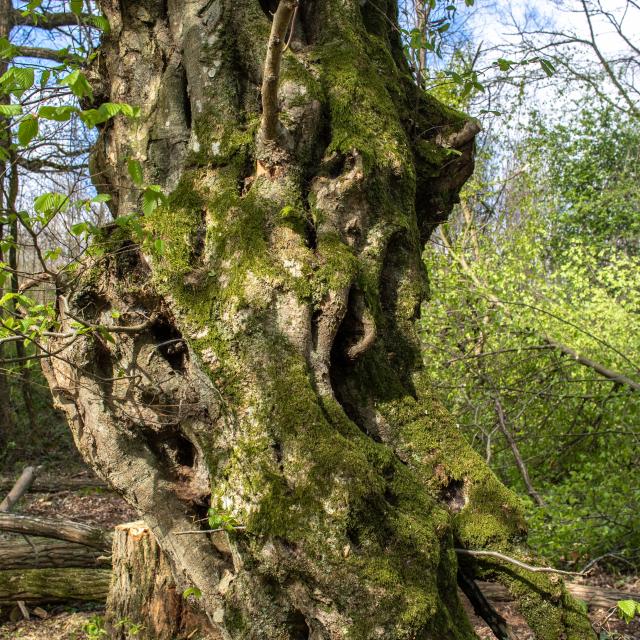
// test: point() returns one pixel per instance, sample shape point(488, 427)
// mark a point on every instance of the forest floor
point(103, 508)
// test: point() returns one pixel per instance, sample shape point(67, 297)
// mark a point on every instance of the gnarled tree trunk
point(276, 377)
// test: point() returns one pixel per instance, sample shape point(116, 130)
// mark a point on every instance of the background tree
point(43, 157)
point(532, 327)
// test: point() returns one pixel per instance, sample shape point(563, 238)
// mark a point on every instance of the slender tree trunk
point(20, 350)
point(515, 450)
point(7, 418)
point(276, 379)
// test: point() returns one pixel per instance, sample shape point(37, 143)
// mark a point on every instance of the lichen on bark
point(278, 379)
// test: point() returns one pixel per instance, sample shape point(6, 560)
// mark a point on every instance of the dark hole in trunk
point(170, 344)
point(298, 627)
point(453, 495)
point(186, 100)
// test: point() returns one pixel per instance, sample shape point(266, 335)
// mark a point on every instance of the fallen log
point(44, 554)
point(17, 491)
point(59, 529)
point(19, 488)
point(54, 585)
point(56, 485)
point(597, 597)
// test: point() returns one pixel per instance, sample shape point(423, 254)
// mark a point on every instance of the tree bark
point(278, 381)
point(143, 592)
point(597, 597)
point(56, 485)
point(7, 417)
point(54, 585)
point(59, 529)
point(19, 488)
point(38, 554)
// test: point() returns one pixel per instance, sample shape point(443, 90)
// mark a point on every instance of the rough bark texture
point(37, 554)
point(143, 592)
point(68, 530)
point(54, 585)
point(279, 379)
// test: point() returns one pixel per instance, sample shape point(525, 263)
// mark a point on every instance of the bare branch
point(19, 488)
point(49, 20)
point(44, 54)
point(517, 563)
point(281, 21)
point(614, 376)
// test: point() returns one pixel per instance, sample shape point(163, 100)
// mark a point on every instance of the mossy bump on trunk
point(279, 379)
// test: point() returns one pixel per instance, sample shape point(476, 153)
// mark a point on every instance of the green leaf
point(7, 50)
point(16, 298)
point(152, 198)
point(17, 80)
point(79, 228)
point(104, 333)
point(51, 203)
point(110, 109)
point(285, 212)
point(76, 6)
point(59, 114)
point(106, 111)
point(192, 591)
point(27, 130)
point(504, 64)
point(101, 197)
point(53, 254)
point(129, 111)
point(44, 78)
point(547, 67)
point(628, 609)
point(78, 84)
point(92, 117)
point(9, 110)
point(135, 171)
point(100, 22)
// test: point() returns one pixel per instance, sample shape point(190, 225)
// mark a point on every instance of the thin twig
point(293, 27)
point(136, 328)
point(517, 563)
point(184, 533)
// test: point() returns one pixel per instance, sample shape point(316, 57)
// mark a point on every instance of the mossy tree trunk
point(278, 379)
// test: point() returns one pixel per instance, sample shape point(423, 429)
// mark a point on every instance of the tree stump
point(143, 601)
